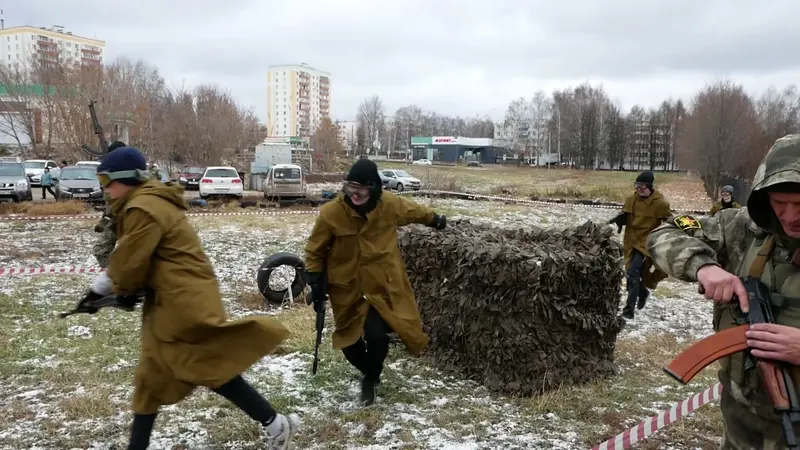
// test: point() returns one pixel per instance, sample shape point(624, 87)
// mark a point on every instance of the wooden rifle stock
point(704, 352)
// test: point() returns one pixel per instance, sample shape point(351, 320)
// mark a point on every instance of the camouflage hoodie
point(683, 244)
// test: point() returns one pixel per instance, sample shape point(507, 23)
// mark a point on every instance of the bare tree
point(719, 134)
point(541, 108)
point(326, 144)
point(371, 116)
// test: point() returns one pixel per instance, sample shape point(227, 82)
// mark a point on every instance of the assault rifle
point(775, 375)
point(98, 130)
point(112, 300)
point(320, 319)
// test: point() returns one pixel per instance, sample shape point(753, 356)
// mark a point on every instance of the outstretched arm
point(409, 212)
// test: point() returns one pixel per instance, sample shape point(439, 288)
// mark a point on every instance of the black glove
point(438, 222)
point(316, 281)
point(128, 302)
point(620, 221)
point(86, 302)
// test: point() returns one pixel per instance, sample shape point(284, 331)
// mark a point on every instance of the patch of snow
point(79, 331)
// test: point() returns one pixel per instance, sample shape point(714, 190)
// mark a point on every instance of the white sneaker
point(288, 426)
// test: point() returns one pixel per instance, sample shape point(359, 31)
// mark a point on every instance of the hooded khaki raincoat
point(365, 267)
point(186, 339)
point(645, 214)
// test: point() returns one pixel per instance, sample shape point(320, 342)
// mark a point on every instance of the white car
point(88, 163)
point(221, 180)
point(422, 162)
point(35, 167)
point(399, 180)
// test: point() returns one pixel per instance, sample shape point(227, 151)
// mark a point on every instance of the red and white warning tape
point(11, 271)
point(97, 216)
point(649, 426)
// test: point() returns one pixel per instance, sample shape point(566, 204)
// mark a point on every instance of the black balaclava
point(365, 172)
point(647, 178)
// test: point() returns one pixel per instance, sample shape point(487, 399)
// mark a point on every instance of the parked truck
point(266, 156)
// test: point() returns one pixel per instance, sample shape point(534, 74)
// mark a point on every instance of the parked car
point(189, 177)
point(163, 174)
point(222, 181)
point(79, 183)
point(399, 180)
point(88, 163)
point(422, 162)
point(285, 181)
point(35, 167)
point(14, 183)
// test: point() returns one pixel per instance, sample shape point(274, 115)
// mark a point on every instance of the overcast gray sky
point(455, 57)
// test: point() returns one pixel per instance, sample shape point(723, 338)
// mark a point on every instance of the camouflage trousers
point(745, 430)
point(105, 245)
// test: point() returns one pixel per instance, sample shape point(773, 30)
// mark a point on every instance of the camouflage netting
point(520, 311)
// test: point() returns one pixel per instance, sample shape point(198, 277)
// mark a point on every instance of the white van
point(285, 181)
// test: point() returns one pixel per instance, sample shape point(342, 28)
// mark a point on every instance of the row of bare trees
point(394, 133)
point(583, 127)
point(723, 132)
point(44, 112)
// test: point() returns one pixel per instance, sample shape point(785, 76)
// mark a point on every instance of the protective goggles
point(356, 189)
point(639, 185)
point(105, 178)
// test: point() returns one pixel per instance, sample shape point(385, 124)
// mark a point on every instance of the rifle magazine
point(704, 352)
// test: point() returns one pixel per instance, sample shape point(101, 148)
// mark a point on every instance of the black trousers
point(237, 391)
point(369, 352)
point(634, 284)
point(45, 190)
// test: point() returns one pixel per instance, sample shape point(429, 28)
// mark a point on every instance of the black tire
point(400, 187)
point(277, 260)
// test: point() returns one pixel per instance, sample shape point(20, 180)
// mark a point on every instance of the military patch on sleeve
point(686, 222)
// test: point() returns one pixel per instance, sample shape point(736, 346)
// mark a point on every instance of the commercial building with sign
point(452, 149)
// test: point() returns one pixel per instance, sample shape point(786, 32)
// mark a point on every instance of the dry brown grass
point(45, 209)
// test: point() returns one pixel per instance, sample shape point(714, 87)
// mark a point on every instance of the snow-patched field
point(66, 383)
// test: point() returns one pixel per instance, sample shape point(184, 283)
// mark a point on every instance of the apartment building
point(298, 98)
point(51, 44)
point(648, 140)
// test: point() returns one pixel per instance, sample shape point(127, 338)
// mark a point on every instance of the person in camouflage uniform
point(108, 236)
point(761, 241)
point(726, 201)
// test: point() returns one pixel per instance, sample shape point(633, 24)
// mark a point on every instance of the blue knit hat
point(126, 165)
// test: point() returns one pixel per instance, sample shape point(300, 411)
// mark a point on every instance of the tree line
point(394, 133)
point(722, 132)
point(44, 112)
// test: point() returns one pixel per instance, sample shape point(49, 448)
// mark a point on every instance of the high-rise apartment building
point(298, 98)
point(19, 44)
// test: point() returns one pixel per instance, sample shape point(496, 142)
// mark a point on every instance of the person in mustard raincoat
point(186, 338)
point(643, 211)
point(354, 243)
point(726, 201)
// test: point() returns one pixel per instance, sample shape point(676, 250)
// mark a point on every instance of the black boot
point(644, 293)
point(633, 296)
point(367, 391)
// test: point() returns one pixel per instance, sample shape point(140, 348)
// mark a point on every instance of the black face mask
point(365, 173)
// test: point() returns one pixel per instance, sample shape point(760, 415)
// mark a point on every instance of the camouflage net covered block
point(520, 311)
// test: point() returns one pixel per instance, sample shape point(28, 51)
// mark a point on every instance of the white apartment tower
point(298, 98)
point(19, 44)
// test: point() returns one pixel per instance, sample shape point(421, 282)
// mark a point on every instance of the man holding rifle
point(353, 257)
point(760, 241)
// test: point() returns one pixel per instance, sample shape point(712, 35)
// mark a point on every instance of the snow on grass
point(66, 383)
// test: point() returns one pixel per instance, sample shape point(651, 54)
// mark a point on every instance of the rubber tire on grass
point(277, 260)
